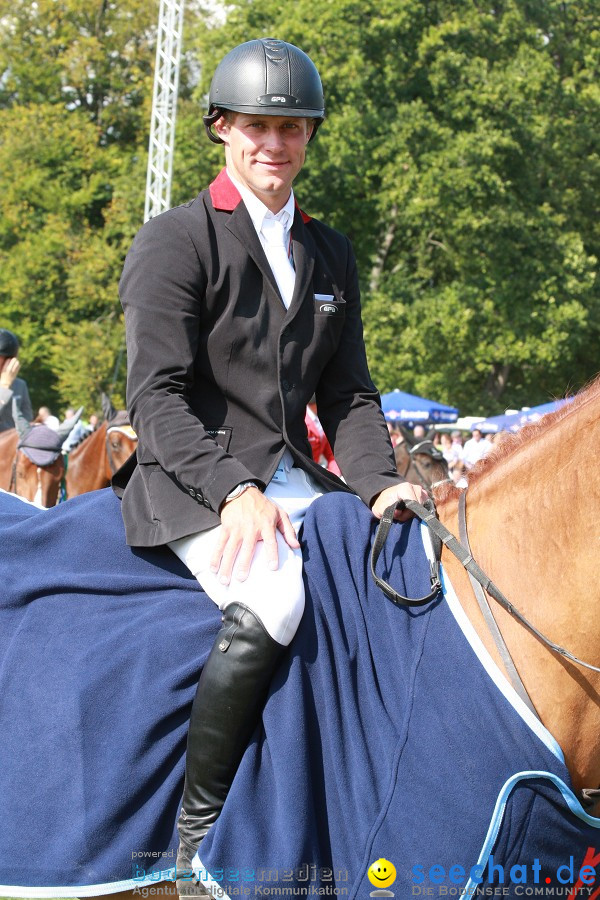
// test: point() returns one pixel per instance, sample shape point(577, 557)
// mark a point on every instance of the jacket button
point(285, 385)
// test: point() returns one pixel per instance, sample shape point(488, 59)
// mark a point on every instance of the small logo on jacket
point(327, 308)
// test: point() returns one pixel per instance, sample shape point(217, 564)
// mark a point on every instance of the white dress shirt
point(274, 233)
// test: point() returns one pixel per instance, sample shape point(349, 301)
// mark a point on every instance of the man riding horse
point(239, 307)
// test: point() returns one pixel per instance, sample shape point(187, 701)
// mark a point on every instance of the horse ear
point(66, 427)
point(431, 435)
point(108, 409)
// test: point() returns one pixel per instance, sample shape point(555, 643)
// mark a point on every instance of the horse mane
point(83, 438)
point(513, 442)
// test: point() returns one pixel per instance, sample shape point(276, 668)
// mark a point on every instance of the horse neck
point(87, 470)
point(533, 522)
point(8, 448)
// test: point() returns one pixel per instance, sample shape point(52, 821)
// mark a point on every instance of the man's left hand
point(403, 491)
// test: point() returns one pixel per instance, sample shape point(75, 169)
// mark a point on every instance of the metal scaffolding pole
point(164, 108)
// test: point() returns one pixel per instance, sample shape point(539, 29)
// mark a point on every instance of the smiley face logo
point(382, 873)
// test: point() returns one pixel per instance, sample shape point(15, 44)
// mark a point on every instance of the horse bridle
point(13, 474)
point(426, 448)
point(441, 535)
point(111, 463)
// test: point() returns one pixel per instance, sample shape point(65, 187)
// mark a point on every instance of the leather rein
point(441, 535)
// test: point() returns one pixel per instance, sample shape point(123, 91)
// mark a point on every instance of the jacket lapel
point(303, 250)
point(225, 196)
point(241, 226)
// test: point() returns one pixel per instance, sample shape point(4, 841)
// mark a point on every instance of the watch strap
point(239, 490)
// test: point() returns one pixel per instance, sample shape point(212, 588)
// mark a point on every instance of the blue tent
point(536, 412)
point(507, 422)
point(514, 421)
point(399, 406)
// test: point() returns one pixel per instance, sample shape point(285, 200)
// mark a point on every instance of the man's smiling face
point(265, 153)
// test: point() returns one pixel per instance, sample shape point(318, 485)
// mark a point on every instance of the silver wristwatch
point(239, 490)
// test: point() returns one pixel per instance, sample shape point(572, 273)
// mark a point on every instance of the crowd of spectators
point(460, 452)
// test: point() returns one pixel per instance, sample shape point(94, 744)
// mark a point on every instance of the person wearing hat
point(238, 308)
point(15, 404)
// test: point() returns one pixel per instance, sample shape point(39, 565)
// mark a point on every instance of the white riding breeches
point(275, 597)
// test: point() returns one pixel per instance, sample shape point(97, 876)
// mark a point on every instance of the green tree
point(62, 240)
point(75, 94)
point(93, 58)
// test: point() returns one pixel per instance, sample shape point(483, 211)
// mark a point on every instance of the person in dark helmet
point(15, 404)
point(238, 308)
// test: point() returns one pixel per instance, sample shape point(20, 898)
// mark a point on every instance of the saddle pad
point(101, 648)
point(385, 735)
point(388, 736)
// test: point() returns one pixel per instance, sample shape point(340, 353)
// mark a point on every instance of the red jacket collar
point(225, 195)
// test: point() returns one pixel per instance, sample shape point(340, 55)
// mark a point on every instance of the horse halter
point(441, 535)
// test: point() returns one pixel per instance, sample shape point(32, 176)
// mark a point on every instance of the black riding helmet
point(9, 343)
point(266, 77)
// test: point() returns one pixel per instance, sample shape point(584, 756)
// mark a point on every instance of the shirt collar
point(257, 209)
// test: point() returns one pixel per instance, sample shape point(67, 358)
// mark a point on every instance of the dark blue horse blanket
point(388, 732)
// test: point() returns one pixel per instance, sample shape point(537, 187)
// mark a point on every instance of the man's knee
point(279, 605)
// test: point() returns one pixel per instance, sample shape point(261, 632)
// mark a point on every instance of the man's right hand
point(9, 372)
point(245, 520)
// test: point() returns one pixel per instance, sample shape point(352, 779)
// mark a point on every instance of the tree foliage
point(459, 154)
point(75, 97)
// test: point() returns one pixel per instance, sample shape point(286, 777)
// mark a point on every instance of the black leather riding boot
point(228, 703)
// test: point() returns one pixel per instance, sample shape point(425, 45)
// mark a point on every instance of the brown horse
point(420, 462)
point(92, 463)
point(21, 475)
point(533, 518)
